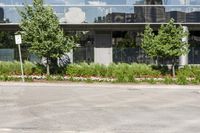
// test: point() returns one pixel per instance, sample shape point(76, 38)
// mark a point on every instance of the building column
point(103, 52)
point(183, 59)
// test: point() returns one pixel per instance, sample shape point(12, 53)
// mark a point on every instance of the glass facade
point(111, 11)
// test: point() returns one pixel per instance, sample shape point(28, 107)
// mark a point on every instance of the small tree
point(148, 42)
point(41, 31)
point(168, 43)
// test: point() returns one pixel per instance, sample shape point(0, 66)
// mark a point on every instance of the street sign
point(18, 39)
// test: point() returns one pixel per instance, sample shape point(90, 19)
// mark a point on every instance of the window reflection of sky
point(101, 9)
point(108, 2)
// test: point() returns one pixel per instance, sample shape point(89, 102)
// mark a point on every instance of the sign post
point(18, 41)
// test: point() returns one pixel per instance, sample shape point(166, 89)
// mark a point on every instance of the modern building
point(106, 23)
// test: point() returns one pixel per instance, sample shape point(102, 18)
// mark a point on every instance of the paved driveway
point(103, 108)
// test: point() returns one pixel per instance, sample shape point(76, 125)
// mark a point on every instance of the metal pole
point(20, 57)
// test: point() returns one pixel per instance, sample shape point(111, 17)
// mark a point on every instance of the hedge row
point(122, 72)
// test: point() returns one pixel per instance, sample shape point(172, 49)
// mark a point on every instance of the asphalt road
point(98, 108)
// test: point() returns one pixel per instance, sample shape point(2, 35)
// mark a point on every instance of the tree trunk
point(173, 68)
point(173, 71)
point(48, 69)
point(156, 61)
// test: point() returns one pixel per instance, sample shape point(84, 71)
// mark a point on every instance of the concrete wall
point(70, 54)
point(183, 60)
point(103, 55)
point(103, 47)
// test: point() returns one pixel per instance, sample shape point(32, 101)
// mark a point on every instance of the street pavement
point(98, 108)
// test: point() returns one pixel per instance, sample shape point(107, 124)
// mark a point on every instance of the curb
point(101, 85)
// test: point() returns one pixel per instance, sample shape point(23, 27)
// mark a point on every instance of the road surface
point(98, 108)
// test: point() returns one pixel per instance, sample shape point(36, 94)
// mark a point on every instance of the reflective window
point(98, 14)
point(177, 13)
point(163, 2)
point(105, 2)
point(145, 2)
point(194, 2)
point(150, 14)
point(73, 15)
point(135, 2)
point(153, 2)
point(65, 2)
point(175, 2)
point(55, 2)
point(106, 11)
point(193, 14)
point(128, 14)
point(60, 12)
point(110, 15)
point(122, 14)
point(14, 2)
point(11, 15)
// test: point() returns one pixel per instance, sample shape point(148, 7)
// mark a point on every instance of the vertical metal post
point(20, 57)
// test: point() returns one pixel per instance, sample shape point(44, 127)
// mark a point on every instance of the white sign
point(18, 39)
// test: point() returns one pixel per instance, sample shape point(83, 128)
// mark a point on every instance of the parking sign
point(18, 39)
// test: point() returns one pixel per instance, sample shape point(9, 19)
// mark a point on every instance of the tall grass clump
point(191, 73)
point(85, 70)
point(8, 68)
point(14, 68)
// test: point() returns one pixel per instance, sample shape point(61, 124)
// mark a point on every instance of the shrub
point(151, 81)
point(9, 68)
point(163, 69)
point(168, 80)
point(30, 68)
point(7, 78)
point(186, 71)
point(73, 70)
point(182, 80)
point(192, 72)
point(122, 72)
point(99, 70)
point(110, 70)
point(141, 70)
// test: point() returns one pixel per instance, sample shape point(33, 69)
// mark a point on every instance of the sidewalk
point(100, 85)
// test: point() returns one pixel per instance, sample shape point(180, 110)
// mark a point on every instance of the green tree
point(149, 42)
point(41, 31)
point(167, 44)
